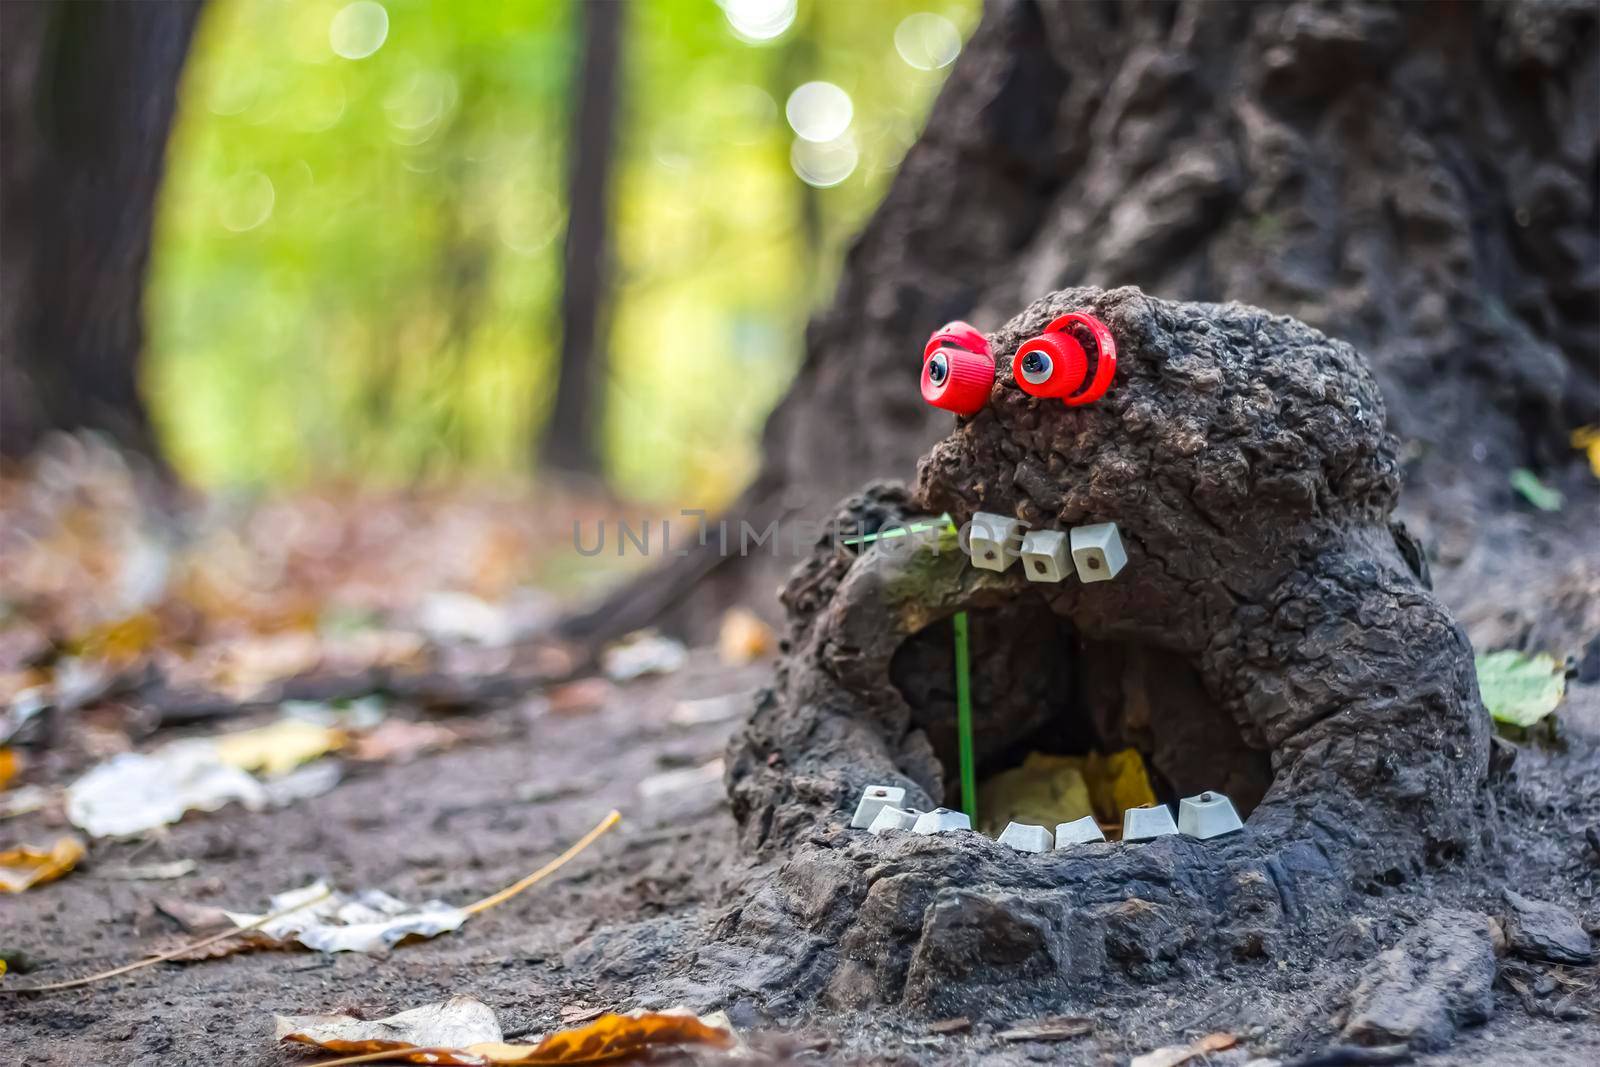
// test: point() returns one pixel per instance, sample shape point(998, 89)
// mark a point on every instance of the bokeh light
point(819, 111)
point(824, 164)
point(247, 201)
point(359, 29)
point(759, 20)
point(358, 265)
point(927, 41)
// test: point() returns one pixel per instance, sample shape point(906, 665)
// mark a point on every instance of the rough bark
point(572, 434)
point(1246, 461)
point(1420, 180)
point(87, 94)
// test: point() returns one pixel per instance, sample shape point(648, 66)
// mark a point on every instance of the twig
point(182, 950)
point(406, 1052)
point(548, 869)
point(472, 909)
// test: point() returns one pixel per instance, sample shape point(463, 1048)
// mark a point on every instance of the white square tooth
point(941, 820)
point(1078, 832)
point(1207, 815)
point(1025, 837)
point(994, 540)
point(1141, 824)
point(1045, 555)
point(1097, 552)
point(874, 798)
point(893, 818)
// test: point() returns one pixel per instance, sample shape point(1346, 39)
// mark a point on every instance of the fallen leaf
point(1173, 1055)
point(121, 642)
point(457, 1023)
point(448, 616)
point(132, 793)
point(373, 921)
point(958, 1025)
point(25, 866)
point(581, 697)
point(743, 637)
point(1053, 1028)
point(643, 653)
point(707, 710)
point(278, 748)
point(23, 800)
point(1518, 689)
point(399, 741)
point(1049, 789)
point(659, 785)
point(303, 783)
point(194, 918)
point(149, 872)
point(1587, 439)
point(615, 1037)
point(10, 765)
point(370, 921)
point(439, 1034)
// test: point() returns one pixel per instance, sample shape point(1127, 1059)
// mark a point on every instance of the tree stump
point(1272, 636)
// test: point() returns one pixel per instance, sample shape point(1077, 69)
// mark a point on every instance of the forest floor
point(504, 784)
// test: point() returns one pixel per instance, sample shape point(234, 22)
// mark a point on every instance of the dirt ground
point(620, 926)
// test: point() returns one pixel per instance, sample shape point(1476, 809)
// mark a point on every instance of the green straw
point(969, 776)
point(890, 534)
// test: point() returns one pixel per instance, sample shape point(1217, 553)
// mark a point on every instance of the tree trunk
point(1267, 635)
point(572, 434)
point(87, 95)
point(1419, 180)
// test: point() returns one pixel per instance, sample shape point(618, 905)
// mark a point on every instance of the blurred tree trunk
point(572, 434)
point(1420, 180)
point(87, 93)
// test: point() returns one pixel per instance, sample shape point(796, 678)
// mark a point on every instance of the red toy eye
point(957, 334)
point(1055, 363)
point(957, 380)
point(1052, 364)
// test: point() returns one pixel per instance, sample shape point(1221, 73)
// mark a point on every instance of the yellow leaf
point(1044, 791)
point(1118, 782)
point(10, 764)
point(278, 748)
point(123, 641)
point(423, 1035)
point(24, 867)
point(610, 1037)
point(1048, 789)
point(1587, 439)
point(743, 638)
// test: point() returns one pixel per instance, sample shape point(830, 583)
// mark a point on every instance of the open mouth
point(1041, 689)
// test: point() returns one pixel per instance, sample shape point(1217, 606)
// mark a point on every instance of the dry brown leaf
point(1175, 1055)
point(743, 637)
point(457, 1023)
point(581, 697)
point(25, 866)
point(1052, 1028)
point(607, 1039)
point(399, 741)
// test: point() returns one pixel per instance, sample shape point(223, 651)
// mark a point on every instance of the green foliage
point(358, 260)
point(1518, 689)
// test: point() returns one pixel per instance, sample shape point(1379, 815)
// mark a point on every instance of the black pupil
point(1033, 363)
point(936, 370)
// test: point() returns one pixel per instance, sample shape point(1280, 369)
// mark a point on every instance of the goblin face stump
point(1272, 636)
